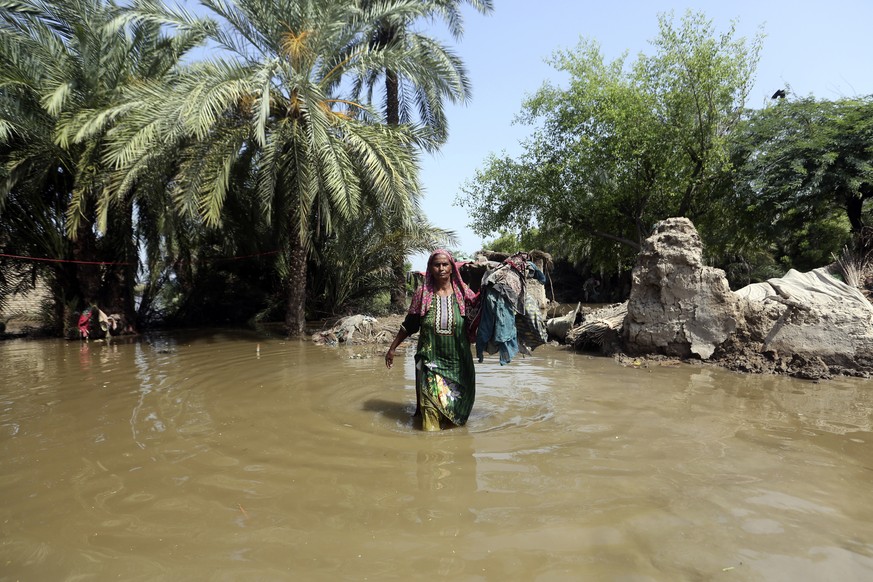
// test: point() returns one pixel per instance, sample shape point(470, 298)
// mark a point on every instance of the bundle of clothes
point(93, 323)
point(509, 319)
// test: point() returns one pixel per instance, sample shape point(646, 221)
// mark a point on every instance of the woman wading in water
point(442, 310)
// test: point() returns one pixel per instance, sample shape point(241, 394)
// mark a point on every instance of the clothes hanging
point(507, 310)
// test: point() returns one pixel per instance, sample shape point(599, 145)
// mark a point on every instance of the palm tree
point(443, 78)
point(348, 282)
point(422, 93)
point(65, 62)
point(273, 105)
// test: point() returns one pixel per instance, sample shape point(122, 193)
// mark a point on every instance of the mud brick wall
point(25, 305)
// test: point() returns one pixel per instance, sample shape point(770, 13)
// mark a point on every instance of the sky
point(816, 48)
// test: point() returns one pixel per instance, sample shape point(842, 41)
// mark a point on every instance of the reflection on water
point(233, 456)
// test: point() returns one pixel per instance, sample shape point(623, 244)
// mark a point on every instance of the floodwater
point(234, 456)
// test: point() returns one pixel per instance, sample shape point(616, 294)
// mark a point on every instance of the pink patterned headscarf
point(423, 296)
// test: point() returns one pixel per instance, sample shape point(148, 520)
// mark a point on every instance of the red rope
point(61, 260)
point(236, 258)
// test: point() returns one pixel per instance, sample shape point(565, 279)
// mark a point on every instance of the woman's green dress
point(445, 378)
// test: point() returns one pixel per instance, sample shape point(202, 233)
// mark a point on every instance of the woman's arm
point(409, 326)
point(398, 339)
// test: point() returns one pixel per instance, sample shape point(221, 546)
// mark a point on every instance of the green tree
point(804, 178)
point(510, 243)
point(63, 61)
point(418, 94)
point(274, 108)
point(623, 146)
point(352, 282)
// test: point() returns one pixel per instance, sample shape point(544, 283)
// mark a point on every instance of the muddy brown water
point(233, 456)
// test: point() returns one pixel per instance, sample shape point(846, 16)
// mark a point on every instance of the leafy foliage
point(122, 152)
point(64, 66)
point(511, 243)
point(353, 266)
point(274, 112)
point(417, 92)
point(804, 178)
point(623, 146)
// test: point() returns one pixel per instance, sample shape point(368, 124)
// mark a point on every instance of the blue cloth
point(497, 328)
point(536, 272)
point(504, 299)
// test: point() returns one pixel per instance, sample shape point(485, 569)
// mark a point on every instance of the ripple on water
point(360, 393)
point(513, 396)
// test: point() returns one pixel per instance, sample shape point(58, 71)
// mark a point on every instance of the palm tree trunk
point(392, 98)
point(63, 286)
point(398, 266)
point(121, 279)
point(295, 313)
point(854, 207)
point(398, 286)
point(87, 275)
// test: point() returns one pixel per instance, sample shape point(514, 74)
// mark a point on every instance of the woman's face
point(440, 268)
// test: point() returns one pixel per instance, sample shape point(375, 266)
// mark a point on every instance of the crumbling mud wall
point(677, 305)
point(810, 325)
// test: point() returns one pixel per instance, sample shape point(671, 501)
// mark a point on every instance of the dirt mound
point(359, 330)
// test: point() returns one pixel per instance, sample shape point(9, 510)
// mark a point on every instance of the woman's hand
point(389, 355)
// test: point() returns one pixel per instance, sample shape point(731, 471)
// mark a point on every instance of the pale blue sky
point(818, 48)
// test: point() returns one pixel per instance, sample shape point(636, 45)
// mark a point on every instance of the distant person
point(441, 311)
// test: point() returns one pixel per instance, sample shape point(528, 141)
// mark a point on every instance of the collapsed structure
point(810, 325)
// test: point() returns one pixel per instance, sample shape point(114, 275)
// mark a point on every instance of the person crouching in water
point(443, 312)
